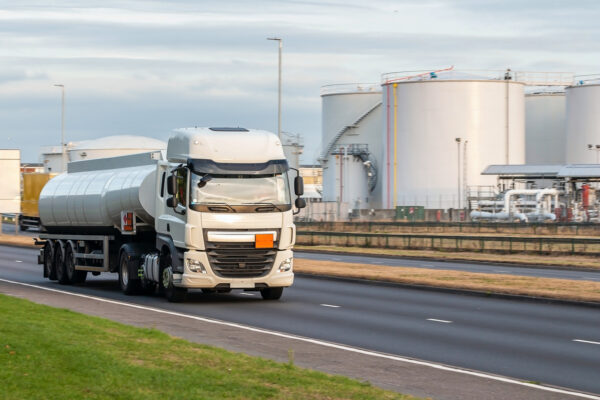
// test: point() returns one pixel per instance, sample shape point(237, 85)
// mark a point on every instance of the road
point(490, 268)
point(553, 344)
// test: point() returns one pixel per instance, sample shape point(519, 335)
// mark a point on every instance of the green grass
point(49, 353)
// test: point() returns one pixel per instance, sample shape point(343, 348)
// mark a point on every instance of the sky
point(147, 67)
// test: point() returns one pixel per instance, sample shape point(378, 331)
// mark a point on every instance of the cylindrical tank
point(356, 110)
point(113, 146)
point(443, 133)
point(94, 199)
point(545, 115)
point(583, 124)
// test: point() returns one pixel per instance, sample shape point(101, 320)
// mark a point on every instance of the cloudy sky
point(146, 67)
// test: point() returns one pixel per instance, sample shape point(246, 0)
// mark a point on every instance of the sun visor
point(200, 166)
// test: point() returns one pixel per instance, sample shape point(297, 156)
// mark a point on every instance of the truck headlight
point(286, 265)
point(195, 265)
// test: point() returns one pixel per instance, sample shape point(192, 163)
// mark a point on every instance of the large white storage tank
point(424, 117)
point(545, 116)
point(351, 143)
point(583, 124)
point(113, 146)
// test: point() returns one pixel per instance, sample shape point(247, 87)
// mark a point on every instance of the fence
point(565, 229)
point(491, 244)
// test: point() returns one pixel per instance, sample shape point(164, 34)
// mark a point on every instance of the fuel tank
point(93, 193)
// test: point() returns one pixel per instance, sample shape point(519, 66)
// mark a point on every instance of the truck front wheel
point(172, 293)
point(273, 293)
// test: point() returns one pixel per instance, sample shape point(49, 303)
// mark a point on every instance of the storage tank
point(583, 124)
point(443, 130)
point(351, 145)
point(545, 115)
point(92, 194)
point(113, 146)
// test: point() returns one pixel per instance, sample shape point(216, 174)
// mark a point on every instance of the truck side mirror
point(171, 202)
point(299, 186)
point(171, 185)
point(300, 203)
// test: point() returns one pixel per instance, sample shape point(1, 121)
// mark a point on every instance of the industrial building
point(424, 138)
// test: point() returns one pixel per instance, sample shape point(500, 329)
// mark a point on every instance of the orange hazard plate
point(263, 241)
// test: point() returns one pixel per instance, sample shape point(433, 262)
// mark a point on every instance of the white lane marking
point(337, 259)
point(500, 271)
point(318, 342)
point(18, 261)
point(586, 341)
point(443, 321)
point(428, 266)
point(246, 294)
point(330, 305)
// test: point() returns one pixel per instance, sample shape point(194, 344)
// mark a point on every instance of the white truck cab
point(215, 212)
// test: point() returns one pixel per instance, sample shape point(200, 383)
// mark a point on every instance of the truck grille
point(240, 260)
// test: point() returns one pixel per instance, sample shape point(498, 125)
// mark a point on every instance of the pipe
point(395, 145)
point(388, 193)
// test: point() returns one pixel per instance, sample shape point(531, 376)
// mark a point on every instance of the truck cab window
point(162, 184)
point(181, 179)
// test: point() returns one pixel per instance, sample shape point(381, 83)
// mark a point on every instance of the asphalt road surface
point(552, 344)
point(490, 268)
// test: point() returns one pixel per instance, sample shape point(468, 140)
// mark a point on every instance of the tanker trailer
point(214, 212)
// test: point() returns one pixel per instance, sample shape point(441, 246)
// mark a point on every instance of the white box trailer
point(10, 174)
point(214, 212)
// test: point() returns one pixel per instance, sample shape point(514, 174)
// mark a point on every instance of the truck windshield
point(240, 193)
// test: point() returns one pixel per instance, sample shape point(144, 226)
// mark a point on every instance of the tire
point(172, 293)
point(273, 293)
point(73, 275)
point(59, 263)
point(128, 286)
point(49, 269)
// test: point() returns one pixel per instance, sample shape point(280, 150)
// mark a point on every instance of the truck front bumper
point(208, 279)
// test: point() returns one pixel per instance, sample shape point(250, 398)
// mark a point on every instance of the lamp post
point(458, 140)
point(62, 128)
point(278, 87)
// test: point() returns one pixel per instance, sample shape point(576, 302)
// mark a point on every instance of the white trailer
point(214, 212)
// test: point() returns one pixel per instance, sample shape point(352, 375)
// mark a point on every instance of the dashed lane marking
point(443, 321)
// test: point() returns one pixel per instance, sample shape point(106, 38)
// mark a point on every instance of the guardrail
point(493, 244)
point(563, 228)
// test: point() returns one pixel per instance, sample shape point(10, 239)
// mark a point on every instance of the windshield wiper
point(210, 206)
point(266, 204)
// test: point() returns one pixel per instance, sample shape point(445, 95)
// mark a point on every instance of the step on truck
point(212, 212)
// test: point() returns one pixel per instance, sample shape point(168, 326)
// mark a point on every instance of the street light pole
point(458, 140)
point(62, 128)
point(278, 87)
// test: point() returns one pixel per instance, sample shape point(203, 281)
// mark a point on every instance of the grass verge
point(492, 283)
point(587, 262)
point(49, 353)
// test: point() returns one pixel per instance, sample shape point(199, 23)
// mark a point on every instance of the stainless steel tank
point(92, 194)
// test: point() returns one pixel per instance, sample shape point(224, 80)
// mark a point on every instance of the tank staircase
point(327, 151)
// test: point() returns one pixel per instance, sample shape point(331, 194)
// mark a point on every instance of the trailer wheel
point(273, 293)
point(49, 266)
point(172, 293)
point(59, 263)
point(74, 276)
point(128, 286)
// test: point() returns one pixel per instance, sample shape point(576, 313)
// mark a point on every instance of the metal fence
point(497, 244)
point(565, 229)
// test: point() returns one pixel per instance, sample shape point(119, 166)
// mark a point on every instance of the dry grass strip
point(524, 259)
point(16, 240)
point(502, 284)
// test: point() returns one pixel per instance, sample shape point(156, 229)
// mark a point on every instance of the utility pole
point(278, 87)
point(62, 129)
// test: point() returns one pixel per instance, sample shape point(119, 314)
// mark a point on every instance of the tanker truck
point(212, 212)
